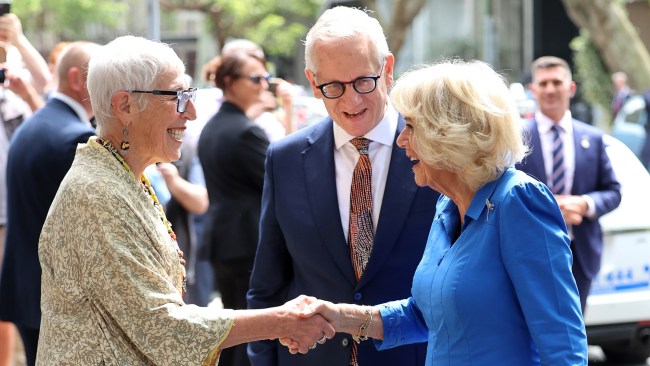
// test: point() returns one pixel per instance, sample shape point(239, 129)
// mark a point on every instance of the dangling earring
point(124, 145)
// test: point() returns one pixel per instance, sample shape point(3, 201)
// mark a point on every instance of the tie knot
point(361, 143)
point(557, 129)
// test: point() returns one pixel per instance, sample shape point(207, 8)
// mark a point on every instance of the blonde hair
point(464, 119)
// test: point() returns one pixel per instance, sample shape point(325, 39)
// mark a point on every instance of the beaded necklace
point(148, 189)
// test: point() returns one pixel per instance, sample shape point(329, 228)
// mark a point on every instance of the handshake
point(313, 322)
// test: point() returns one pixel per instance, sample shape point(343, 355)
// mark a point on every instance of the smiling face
point(345, 61)
point(156, 132)
point(553, 90)
point(426, 175)
point(406, 141)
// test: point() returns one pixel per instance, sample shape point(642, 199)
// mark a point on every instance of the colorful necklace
point(148, 189)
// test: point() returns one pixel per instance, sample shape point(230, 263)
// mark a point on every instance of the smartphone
point(5, 8)
point(3, 59)
point(273, 85)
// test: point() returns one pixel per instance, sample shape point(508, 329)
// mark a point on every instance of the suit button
point(358, 296)
point(345, 342)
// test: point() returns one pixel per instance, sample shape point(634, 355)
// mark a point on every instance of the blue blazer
point(40, 154)
point(302, 248)
point(593, 176)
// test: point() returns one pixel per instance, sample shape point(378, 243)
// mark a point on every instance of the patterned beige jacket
point(111, 277)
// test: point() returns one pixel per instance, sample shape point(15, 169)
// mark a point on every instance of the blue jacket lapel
point(318, 159)
point(584, 158)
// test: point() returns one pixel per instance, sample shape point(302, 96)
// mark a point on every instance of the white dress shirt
point(544, 125)
point(346, 157)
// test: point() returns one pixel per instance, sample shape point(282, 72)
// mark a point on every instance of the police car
point(618, 308)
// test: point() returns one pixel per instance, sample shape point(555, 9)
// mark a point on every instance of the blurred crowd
point(29, 82)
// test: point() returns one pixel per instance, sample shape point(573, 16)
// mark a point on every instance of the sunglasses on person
point(182, 96)
point(258, 78)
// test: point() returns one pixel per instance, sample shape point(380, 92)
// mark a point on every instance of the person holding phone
point(11, 33)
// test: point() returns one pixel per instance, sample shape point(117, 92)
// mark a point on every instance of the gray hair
point(127, 63)
point(341, 23)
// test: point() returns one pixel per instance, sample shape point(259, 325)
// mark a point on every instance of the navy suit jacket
point(40, 154)
point(593, 176)
point(302, 248)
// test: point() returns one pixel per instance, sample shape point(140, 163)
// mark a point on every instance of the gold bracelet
point(365, 327)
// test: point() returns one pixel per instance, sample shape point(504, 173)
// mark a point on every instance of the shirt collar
point(545, 123)
point(76, 106)
point(383, 133)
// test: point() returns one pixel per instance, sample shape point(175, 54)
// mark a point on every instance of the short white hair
point(127, 63)
point(343, 23)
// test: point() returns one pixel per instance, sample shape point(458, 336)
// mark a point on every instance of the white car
point(618, 308)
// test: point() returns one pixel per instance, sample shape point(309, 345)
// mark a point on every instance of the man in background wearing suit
point(569, 156)
point(40, 154)
point(310, 228)
point(621, 91)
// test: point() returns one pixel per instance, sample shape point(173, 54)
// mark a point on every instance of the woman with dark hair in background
point(232, 150)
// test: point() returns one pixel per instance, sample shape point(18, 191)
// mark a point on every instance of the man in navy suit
point(40, 153)
point(590, 186)
point(304, 227)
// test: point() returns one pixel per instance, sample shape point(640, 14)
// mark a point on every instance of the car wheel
point(626, 355)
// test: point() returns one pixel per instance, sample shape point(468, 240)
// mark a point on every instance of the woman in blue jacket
point(494, 286)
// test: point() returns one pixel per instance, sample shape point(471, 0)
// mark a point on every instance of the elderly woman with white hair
point(494, 286)
point(113, 276)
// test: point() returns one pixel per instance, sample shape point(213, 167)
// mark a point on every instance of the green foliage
point(277, 25)
point(68, 19)
point(590, 72)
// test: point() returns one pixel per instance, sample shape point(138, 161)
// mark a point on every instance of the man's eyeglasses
point(363, 85)
point(258, 78)
point(182, 96)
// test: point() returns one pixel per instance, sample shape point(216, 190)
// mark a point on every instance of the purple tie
point(558, 175)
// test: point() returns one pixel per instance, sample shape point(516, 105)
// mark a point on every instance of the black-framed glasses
point(258, 78)
point(182, 96)
point(362, 85)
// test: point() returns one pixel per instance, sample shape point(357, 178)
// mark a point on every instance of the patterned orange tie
point(360, 233)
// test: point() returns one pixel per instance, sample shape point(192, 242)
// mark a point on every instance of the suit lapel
point(583, 148)
point(535, 161)
point(318, 160)
point(398, 198)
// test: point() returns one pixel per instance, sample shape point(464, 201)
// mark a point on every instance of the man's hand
point(573, 208)
point(310, 329)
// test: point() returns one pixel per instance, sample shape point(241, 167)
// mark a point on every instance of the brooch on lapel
point(584, 142)
point(490, 207)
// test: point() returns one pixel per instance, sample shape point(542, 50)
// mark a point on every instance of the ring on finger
point(313, 346)
point(323, 339)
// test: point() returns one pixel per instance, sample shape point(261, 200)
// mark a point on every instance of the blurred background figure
point(21, 52)
point(621, 91)
point(569, 156)
point(40, 154)
point(19, 96)
point(185, 209)
point(645, 151)
point(51, 64)
point(232, 150)
point(276, 121)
